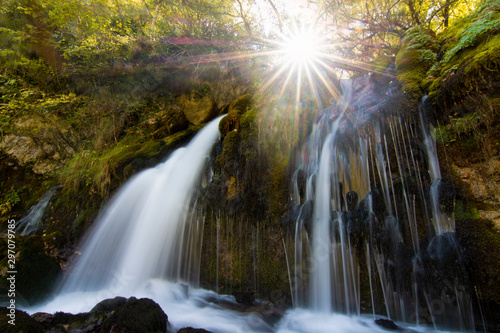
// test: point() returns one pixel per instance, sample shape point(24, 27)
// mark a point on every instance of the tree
point(367, 28)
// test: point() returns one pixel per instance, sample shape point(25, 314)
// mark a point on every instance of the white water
point(31, 223)
point(442, 222)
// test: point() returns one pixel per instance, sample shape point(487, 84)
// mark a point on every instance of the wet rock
point(387, 324)
point(170, 122)
point(443, 247)
point(301, 183)
point(192, 330)
point(307, 214)
point(352, 200)
point(493, 216)
point(137, 315)
point(118, 315)
point(23, 148)
point(108, 305)
point(483, 181)
point(197, 109)
point(244, 297)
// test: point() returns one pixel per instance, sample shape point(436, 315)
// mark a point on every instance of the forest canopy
point(83, 34)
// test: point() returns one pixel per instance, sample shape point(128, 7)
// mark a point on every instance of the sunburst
point(301, 66)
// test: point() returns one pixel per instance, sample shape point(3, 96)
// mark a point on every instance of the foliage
point(9, 199)
point(368, 28)
point(417, 55)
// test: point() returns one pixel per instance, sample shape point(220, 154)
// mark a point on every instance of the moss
point(97, 169)
point(417, 55)
point(470, 62)
point(465, 211)
point(234, 115)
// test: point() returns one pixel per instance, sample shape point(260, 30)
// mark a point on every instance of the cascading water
point(396, 243)
point(147, 243)
point(31, 223)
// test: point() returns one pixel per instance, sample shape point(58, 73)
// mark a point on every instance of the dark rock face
point(36, 272)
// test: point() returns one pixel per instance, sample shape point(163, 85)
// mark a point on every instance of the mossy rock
point(236, 110)
point(469, 67)
point(417, 55)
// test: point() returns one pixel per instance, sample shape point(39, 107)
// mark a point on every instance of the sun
point(301, 66)
point(301, 48)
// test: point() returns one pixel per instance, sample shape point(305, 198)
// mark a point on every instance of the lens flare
point(301, 48)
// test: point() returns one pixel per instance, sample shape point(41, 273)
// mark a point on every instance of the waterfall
point(31, 223)
point(139, 234)
point(376, 222)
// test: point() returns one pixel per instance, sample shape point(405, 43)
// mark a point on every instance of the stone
point(108, 305)
point(22, 148)
point(387, 324)
point(493, 216)
point(192, 330)
point(352, 200)
point(483, 181)
point(244, 297)
point(196, 110)
point(137, 315)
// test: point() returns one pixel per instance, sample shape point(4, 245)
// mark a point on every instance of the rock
point(197, 109)
point(23, 322)
point(244, 297)
point(192, 330)
point(172, 121)
point(23, 148)
point(483, 181)
point(44, 319)
point(136, 315)
point(117, 314)
point(109, 305)
point(491, 215)
point(36, 273)
point(387, 324)
point(352, 200)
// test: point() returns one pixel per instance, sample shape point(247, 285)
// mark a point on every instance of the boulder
point(387, 324)
point(136, 315)
point(118, 315)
